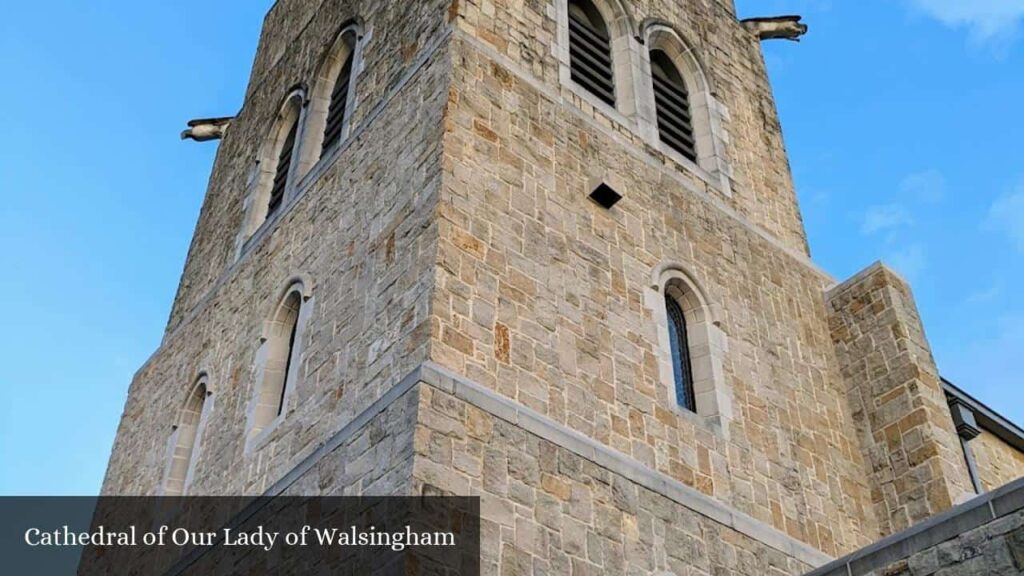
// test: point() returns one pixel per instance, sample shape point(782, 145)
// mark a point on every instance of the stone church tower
point(547, 253)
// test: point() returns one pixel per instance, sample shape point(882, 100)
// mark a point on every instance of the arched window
point(333, 97)
point(277, 362)
point(691, 347)
point(672, 103)
point(283, 170)
point(590, 50)
point(337, 112)
point(276, 165)
point(184, 441)
point(679, 342)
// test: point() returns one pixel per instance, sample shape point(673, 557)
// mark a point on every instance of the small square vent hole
point(605, 196)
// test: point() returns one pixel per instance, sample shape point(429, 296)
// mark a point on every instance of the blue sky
point(902, 120)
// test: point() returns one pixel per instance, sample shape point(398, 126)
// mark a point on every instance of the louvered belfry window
point(672, 101)
point(284, 163)
point(681, 367)
point(339, 103)
point(590, 51)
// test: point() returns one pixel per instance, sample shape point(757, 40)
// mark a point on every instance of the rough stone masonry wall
point(371, 456)
point(984, 536)
point(547, 510)
point(363, 234)
point(296, 37)
point(542, 296)
point(908, 435)
point(997, 462)
point(997, 548)
point(762, 186)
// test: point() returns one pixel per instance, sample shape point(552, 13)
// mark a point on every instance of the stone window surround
point(261, 180)
point(634, 93)
point(261, 420)
point(348, 41)
point(708, 346)
point(708, 115)
point(202, 388)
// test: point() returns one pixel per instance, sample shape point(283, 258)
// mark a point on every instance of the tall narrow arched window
point(680, 346)
point(590, 50)
point(672, 102)
point(337, 113)
point(276, 168)
point(282, 170)
point(333, 99)
point(277, 363)
point(184, 441)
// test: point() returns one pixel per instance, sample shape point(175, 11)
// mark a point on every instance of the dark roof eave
point(987, 418)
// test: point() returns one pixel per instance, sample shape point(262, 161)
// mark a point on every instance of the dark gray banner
point(227, 536)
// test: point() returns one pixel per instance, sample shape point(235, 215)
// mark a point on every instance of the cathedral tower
point(548, 253)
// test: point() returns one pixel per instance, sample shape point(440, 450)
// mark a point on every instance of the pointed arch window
point(289, 359)
point(277, 364)
point(337, 113)
point(672, 103)
point(184, 442)
point(282, 171)
point(681, 365)
point(590, 50)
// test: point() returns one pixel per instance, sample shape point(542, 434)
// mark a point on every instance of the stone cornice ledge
point(616, 462)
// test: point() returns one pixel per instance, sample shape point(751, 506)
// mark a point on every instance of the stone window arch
point(183, 444)
point(667, 52)
point(691, 347)
point(333, 98)
point(278, 363)
point(588, 29)
point(672, 105)
point(276, 174)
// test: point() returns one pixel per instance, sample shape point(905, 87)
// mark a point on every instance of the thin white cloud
point(885, 217)
point(928, 186)
point(985, 19)
point(1006, 215)
point(910, 261)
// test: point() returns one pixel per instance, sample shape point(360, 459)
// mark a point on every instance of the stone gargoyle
point(776, 27)
point(205, 129)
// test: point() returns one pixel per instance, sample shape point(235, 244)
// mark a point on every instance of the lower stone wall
point(984, 536)
point(371, 456)
point(554, 502)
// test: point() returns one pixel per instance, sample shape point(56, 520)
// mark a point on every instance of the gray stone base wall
point(982, 537)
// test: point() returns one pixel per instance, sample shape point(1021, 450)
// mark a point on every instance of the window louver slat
point(593, 37)
point(674, 97)
point(339, 102)
point(284, 162)
point(595, 73)
point(672, 102)
point(591, 60)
